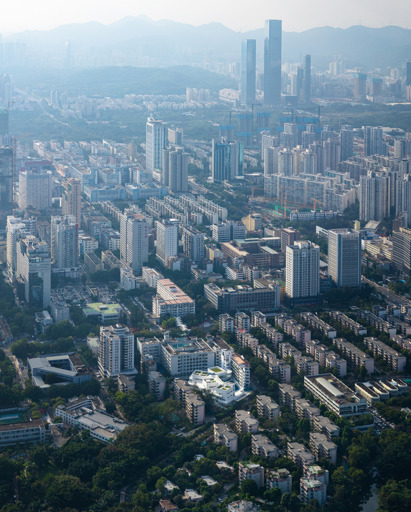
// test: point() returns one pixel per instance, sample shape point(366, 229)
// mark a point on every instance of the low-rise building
point(312, 490)
point(58, 368)
point(356, 356)
point(249, 471)
point(263, 447)
point(125, 383)
point(171, 300)
point(226, 323)
point(151, 276)
point(316, 472)
point(156, 384)
point(267, 407)
point(245, 423)
point(348, 322)
point(299, 454)
point(24, 430)
point(322, 448)
point(335, 395)
point(225, 436)
point(279, 479)
point(83, 414)
point(104, 313)
point(395, 360)
point(242, 506)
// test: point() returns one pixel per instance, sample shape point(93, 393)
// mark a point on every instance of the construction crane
point(315, 201)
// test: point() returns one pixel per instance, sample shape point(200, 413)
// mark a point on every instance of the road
point(388, 294)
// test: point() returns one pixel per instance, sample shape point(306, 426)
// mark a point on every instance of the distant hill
point(140, 41)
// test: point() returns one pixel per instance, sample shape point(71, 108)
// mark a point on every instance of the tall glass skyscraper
point(272, 62)
point(248, 71)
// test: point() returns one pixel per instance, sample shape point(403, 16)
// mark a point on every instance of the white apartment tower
point(64, 241)
point(175, 169)
point(344, 257)
point(155, 143)
point(167, 240)
point(134, 241)
point(116, 351)
point(302, 270)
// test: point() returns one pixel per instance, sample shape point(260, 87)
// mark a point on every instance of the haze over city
point(239, 15)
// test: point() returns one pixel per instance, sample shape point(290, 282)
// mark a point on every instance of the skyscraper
point(175, 169)
point(347, 142)
point(17, 229)
point(408, 73)
point(302, 270)
point(403, 199)
point(116, 351)
point(71, 200)
point(248, 71)
point(272, 62)
point(360, 86)
point(307, 79)
point(167, 240)
point(344, 257)
point(6, 180)
point(155, 143)
point(133, 240)
point(226, 160)
point(64, 241)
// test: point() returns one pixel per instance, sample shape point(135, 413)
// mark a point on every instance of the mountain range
point(141, 41)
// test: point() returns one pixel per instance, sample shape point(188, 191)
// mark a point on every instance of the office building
point(248, 71)
point(35, 189)
point(6, 179)
point(303, 270)
point(242, 298)
point(228, 230)
point(375, 198)
point(226, 160)
point(175, 136)
point(134, 240)
point(116, 351)
point(182, 358)
point(64, 242)
point(193, 244)
point(344, 257)
point(155, 143)
point(272, 62)
point(174, 170)
point(71, 199)
point(28, 430)
point(34, 271)
point(167, 240)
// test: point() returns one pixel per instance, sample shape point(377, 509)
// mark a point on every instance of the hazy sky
point(240, 15)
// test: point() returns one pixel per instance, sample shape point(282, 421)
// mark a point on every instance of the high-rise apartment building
point(167, 240)
point(6, 180)
point(375, 198)
point(226, 160)
point(155, 143)
point(248, 71)
point(134, 240)
point(344, 257)
point(272, 62)
point(116, 351)
point(408, 73)
point(64, 241)
point(34, 271)
point(193, 244)
point(175, 169)
point(35, 189)
point(175, 136)
point(403, 199)
point(360, 86)
point(401, 250)
point(71, 200)
point(373, 141)
point(302, 270)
